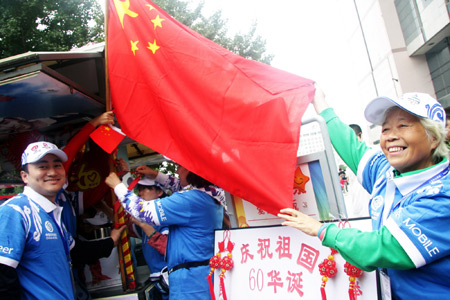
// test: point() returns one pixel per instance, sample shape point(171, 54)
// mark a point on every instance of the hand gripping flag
point(233, 121)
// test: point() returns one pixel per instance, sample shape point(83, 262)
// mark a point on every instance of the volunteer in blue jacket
point(410, 196)
point(34, 244)
point(192, 216)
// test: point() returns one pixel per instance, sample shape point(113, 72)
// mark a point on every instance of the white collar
point(406, 184)
point(43, 202)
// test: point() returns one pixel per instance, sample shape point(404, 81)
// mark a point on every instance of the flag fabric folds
point(233, 121)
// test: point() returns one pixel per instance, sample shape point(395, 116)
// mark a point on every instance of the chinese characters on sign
point(290, 280)
point(282, 262)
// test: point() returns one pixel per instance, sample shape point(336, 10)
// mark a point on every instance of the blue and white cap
point(35, 151)
point(418, 104)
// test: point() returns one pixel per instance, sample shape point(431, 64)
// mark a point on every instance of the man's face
point(46, 176)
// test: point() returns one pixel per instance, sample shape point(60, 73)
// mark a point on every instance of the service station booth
point(51, 95)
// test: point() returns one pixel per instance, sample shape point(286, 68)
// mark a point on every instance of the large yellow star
point(122, 8)
point(134, 46)
point(157, 22)
point(153, 46)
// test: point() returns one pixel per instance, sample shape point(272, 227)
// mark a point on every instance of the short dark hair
point(197, 181)
point(24, 168)
point(152, 187)
point(357, 129)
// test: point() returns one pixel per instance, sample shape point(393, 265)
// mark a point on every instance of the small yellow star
point(157, 22)
point(150, 7)
point(134, 46)
point(153, 46)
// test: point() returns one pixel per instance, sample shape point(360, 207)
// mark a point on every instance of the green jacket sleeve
point(344, 140)
point(368, 250)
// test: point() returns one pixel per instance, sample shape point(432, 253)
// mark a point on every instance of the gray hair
point(435, 130)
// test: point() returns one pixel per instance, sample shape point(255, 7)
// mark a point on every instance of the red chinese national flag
point(107, 137)
point(233, 121)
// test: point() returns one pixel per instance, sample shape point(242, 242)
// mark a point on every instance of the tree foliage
point(48, 25)
point(59, 25)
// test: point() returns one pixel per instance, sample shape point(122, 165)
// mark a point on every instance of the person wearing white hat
point(154, 239)
point(410, 196)
point(36, 253)
point(192, 215)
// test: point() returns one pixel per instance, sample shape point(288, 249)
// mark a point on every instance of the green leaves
point(48, 25)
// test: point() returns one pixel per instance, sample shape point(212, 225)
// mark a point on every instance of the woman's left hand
point(300, 221)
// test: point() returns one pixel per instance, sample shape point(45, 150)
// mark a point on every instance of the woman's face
point(182, 174)
point(405, 143)
point(149, 193)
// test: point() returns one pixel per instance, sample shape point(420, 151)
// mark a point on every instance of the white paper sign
point(282, 263)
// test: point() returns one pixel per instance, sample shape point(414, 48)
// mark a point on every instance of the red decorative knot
point(215, 261)
point(227, 262)
point(352, 271)
point(328, 267)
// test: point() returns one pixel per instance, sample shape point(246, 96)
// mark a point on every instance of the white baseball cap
point(418, 104)
point(35, 151)
point(146, 181)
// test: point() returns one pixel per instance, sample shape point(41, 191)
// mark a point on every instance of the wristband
point(152, 234)
point(322, 230)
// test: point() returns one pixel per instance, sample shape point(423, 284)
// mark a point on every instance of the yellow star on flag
point(150, 7)
point(153, 46)
point(123, 8)
point(134, 46)
point(157, 22)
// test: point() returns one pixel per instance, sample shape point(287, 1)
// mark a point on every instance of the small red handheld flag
point(107, 137)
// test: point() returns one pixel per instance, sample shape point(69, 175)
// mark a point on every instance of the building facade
point(399, 46)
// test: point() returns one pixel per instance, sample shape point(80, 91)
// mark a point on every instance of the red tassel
point(211, 286)
point(351, 291)
point(222, 285)
point(322, 291)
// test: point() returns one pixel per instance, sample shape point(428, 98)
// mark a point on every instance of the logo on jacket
point(377, 202)
point(48, 226)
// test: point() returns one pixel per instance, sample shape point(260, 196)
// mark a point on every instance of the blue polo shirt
point(415, 207)
point(32, 242)
point(155, 260)
point(192, 217)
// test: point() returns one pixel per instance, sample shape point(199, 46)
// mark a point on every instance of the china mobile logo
point(49, 226)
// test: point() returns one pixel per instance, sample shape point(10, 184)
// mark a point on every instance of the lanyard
point(62, 236)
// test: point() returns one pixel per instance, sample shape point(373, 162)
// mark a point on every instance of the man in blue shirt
point(34, 244)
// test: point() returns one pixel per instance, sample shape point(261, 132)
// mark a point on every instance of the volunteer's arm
point(343, 138)
point(88, 252)
point(167, 182)
point(137, 207)
point(365, 250)
point(79, 139)
point(156, 239)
